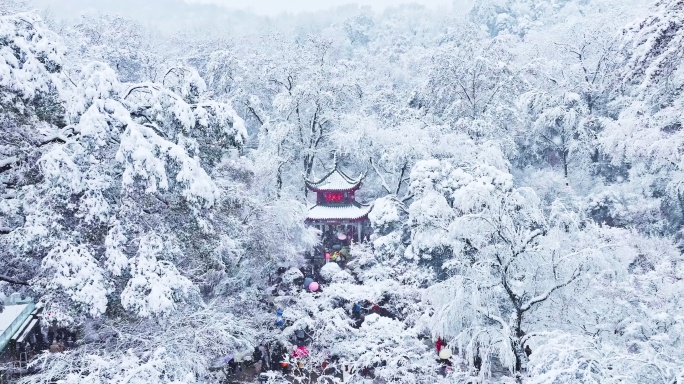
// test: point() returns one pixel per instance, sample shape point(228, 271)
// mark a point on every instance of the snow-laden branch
point(382, 179)
point(540, 298)
point(401, 177)
point(8, 161)
point(146, 87)
point(498, 319)
point(254, 113)
point(13, 280)
point(60, 136)
point(530, 238)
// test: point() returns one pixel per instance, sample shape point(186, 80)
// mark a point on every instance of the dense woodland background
point(525, 160)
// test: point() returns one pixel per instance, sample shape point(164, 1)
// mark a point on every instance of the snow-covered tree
point(646, 133)
point(523, 161)
point(140, 211)
point(503, 258)
point(473, 84)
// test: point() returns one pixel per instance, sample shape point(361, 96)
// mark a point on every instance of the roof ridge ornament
point(335, 180)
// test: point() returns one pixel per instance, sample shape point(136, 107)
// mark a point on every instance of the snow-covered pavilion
point(336, 209)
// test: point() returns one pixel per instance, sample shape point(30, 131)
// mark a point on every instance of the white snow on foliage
point(29, 55)
point(384, 212)
point(292, 274)
point(155, 285)
point(72, 270)
point(146, 155)
point(224, 116)
point(96, 81)
point(523, 161)
point(333, 273)
point(116, 260)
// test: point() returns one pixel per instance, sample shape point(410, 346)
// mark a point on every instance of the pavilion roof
point(335, 180)
point(348, 211)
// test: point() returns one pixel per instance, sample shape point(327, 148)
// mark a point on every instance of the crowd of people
point(289, 356)
point(54, 339)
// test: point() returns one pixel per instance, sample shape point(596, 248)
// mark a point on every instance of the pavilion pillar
point(358, 231)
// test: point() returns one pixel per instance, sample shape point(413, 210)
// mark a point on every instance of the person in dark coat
point(477, 363)
point(300, 338)
point(528, 350)
point(51, 332)
point(71, 339)
point(40, 343)
point(257, 356)
point(232, 366)
point(445, 366)
point(266, 358)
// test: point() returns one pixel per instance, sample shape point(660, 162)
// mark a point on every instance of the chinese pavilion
point(336, 210)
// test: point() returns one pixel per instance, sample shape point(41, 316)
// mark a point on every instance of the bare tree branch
point(538, 299)
point(382, 179)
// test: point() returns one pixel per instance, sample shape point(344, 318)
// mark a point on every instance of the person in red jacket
point(439, 344)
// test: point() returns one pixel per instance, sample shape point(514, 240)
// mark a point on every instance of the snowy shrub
point(155, 285)
point(72, 271)
point(332, 272)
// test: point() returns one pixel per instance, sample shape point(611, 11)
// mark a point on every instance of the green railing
point(14, 327)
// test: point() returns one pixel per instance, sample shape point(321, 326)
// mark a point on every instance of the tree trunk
point(308, 168)
point(564, 156)
point(279, 179)
point(517, 345)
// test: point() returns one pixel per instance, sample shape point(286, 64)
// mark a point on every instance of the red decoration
point(334, 196)
point(301, 351)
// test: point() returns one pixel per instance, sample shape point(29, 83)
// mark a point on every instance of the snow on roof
point(335, 180)
point(27, 330)
point(350, 211)
point(10, 313)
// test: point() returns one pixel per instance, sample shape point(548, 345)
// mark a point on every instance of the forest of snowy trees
point(525, 162)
